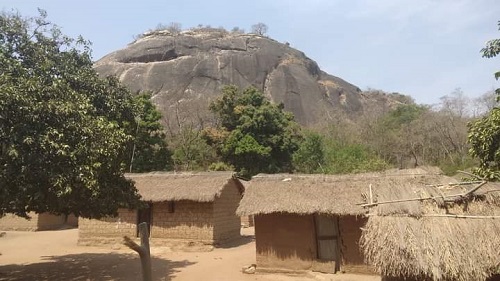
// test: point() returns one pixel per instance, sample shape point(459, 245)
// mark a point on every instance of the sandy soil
point(54, 256)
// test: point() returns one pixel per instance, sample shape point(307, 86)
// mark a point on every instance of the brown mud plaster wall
point(107, 230)
point(227, 224)
point(189, 220)
point(285, 241)
point(44, 221)
point(352, 255)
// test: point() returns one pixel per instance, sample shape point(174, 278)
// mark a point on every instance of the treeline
point(175, 28)
point(403, 136)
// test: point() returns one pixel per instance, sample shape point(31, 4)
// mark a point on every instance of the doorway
point(145, 215)
point(327, 239)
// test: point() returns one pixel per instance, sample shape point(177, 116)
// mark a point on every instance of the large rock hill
point(186, 71)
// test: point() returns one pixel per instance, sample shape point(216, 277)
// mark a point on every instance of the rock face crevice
point(188, 70)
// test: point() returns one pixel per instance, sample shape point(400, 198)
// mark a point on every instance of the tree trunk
point(142, 250)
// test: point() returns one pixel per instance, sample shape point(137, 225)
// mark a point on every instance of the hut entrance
point(327, 239)
point(144, 215)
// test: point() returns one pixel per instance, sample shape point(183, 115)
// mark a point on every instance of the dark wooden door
point(145, 215)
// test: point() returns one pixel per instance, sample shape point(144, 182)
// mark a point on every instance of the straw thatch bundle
point(445, 238)
point(167, 186)
point(327, 194)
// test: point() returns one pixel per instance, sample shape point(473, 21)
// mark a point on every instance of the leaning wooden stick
point(142, 250)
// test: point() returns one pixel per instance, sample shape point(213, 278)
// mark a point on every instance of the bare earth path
point(54, 256)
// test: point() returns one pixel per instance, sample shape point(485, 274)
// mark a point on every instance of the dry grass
point(167, 186)
point(409, 239)
point(327, 194)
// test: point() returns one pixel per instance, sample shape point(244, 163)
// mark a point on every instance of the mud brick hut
point(314, 222)
point(451, 233)
point(37, 222)
point(189, 207)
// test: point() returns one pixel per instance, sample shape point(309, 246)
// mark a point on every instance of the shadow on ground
point(243, 240)
point(90, 267)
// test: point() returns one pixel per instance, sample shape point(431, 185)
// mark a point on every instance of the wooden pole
point(440, 216)
point(371, 194)
point(454, 196)
point(142, 250)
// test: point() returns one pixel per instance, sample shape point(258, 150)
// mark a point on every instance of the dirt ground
point(54, 256)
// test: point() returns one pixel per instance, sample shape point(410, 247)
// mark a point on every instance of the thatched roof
point(446, 238)
point(168, 186)
point(328, 194)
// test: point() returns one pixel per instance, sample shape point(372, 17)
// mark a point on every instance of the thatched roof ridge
point(328, 194)
point(170, 186)
point(427, 241)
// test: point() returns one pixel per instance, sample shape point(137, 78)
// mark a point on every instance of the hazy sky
point(422, 48)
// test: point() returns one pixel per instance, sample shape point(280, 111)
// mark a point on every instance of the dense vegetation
point(66, 135)
point(253, 135)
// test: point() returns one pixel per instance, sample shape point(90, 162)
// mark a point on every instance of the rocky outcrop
point(186, 71)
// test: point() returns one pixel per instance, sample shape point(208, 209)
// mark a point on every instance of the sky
point(422, 48)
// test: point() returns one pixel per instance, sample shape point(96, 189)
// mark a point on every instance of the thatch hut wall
point(288, 242)
point(109, 230)
point(37, 222)
point(434, 240)
point(281, 200)
point(189, 207)
point(285, 242)
point(227, 224)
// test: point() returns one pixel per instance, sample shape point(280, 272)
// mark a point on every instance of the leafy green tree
point(254, 135)
point(484, 134)
point(492, 49)
point(63, 130)
point(149, 148)
point(484, 140)
point(310, 157)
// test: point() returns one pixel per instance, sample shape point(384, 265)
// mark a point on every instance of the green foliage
point(351, 158)
point(403, 114)
point(484, 140)
point(492, 49)
point(149, 148)
point(484, 134)
point(220, 166)
point(63, 131)
point(310, 157)
point(254, 135)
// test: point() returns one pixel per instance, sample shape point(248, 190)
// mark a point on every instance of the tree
point(63, 130)
point(149, 147)
point(310, 156)
point(484, 134)
point(456, 104)
point(254, 135)
point(396, 140)
point(484, 140)
point(174, 28)
point(484, 103)
point(259, 29)
point(492, 49)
